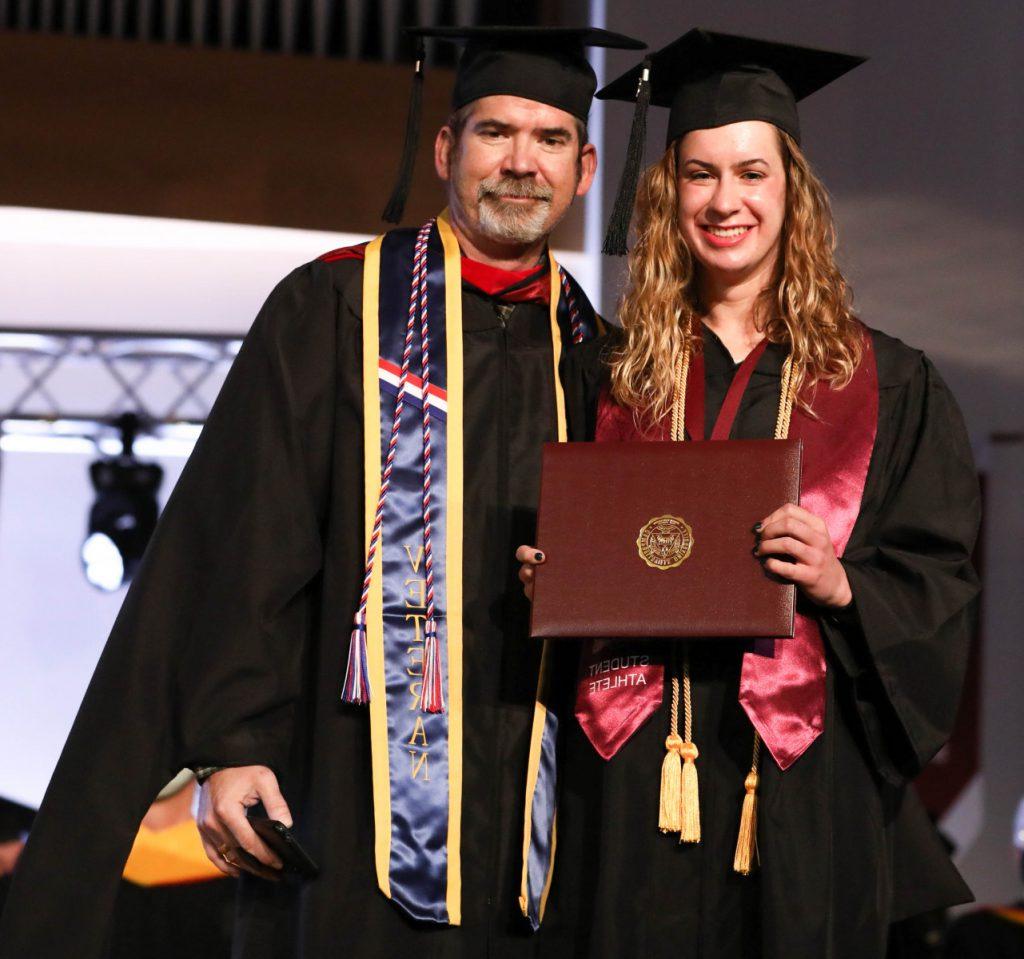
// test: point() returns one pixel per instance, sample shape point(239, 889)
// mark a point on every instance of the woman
point(733, 275)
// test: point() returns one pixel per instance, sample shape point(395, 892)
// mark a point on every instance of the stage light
point(124, 514)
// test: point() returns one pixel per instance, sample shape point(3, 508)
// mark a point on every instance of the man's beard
point(513, 222)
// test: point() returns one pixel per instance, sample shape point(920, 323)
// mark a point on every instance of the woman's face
point(732, 198)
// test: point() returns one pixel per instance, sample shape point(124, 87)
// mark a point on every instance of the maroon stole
point(782, 683)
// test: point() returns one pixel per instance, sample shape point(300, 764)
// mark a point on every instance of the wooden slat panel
point(165, 130)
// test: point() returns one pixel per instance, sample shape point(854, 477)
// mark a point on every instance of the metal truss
point(91, 377)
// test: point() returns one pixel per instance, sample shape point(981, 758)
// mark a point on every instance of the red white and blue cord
point(356, 688)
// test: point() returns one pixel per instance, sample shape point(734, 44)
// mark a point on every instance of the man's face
point(513, 170)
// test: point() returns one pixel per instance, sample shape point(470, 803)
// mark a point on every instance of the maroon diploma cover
point(655, 539)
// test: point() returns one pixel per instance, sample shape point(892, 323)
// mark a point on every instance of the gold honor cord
point(453, 556)
point(375, 599)
point(679, 806)
point(539, 709)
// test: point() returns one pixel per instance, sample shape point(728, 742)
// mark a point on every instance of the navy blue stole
point(405, 651)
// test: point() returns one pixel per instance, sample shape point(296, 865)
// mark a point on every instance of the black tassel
point(396, 204)
point(622, 213)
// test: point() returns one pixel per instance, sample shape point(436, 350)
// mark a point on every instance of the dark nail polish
point(755, 549)
point(539, 557)
point(757, 528)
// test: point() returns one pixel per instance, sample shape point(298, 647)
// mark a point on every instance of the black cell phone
point(297, 862)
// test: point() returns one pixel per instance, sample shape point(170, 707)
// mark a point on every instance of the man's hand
point(530, 557)
point(797, 533)
point(223, 826)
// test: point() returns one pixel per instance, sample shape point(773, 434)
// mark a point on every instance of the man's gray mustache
point(504, 191)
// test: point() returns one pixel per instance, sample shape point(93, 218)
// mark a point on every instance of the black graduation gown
point(168, 922)
point(845, 846)
point(230, 646)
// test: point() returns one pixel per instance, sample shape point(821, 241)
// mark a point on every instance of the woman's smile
point(724, 236)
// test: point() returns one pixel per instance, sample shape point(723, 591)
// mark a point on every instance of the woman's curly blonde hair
point(808, 306)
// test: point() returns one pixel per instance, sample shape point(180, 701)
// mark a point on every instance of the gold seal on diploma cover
point(665, 542)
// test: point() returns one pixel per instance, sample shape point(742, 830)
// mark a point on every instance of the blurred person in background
point(15, 822)
point(994, 932)
point(172, 900)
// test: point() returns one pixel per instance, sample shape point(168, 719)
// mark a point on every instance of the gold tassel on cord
point(670, 805)
point(689, 827)
point(689, 819)
point(679, 804)
point(746, 842)
point(671, 770)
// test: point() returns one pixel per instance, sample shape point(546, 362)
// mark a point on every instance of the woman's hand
point(803, 537)
point(530, 557)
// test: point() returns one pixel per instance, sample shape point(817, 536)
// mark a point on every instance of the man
point(324, 498)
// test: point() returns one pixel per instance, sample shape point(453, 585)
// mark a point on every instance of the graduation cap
point(546, 64)
point(707, 80)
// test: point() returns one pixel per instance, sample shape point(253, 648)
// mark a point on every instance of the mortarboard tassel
point(746, 842)
point(622, 213)
point(396, 204)
point(432, 695)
